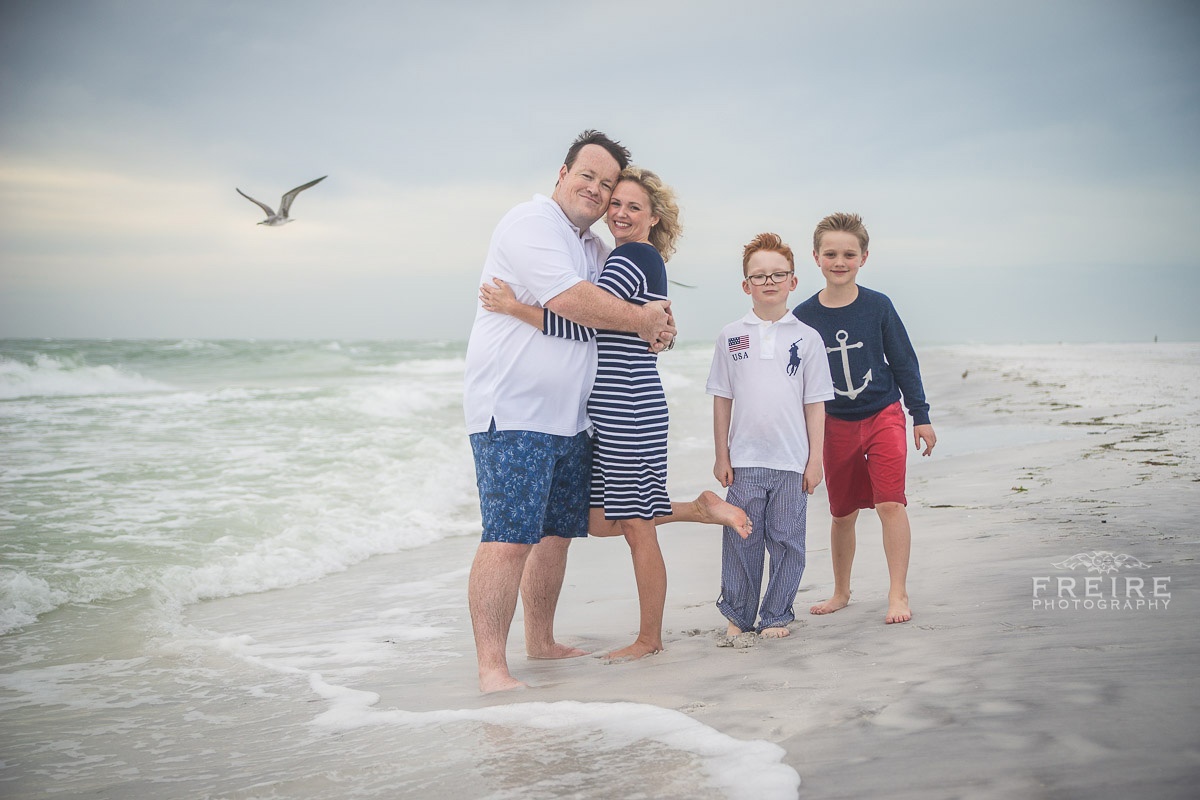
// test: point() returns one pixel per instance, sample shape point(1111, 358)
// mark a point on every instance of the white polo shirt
point(515, 374)
point(770, 370)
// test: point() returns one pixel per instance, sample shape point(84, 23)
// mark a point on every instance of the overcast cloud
point(1028, 170)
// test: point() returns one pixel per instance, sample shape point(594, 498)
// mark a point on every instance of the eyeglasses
point(775, 277)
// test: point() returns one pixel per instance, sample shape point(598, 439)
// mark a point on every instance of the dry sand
point(981, 695)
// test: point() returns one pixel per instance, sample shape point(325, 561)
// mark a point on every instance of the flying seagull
point(285, 204)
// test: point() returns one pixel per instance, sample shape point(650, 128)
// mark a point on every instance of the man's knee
point(890, 509)
point(550, 544)
point(502, 552)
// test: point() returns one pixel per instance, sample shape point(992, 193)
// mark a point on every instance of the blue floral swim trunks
point(532, 484)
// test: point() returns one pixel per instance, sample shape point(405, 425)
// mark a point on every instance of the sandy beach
point(981, 695)
point(356, 676)
point(238, 500)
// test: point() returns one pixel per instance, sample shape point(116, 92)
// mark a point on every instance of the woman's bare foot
point(556, 650)
point(835, 603)
point(898, 610)
point(774, 633)
point(732, 630)
point(712, 509)
point(633, 652)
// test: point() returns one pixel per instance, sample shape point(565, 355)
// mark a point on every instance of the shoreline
point(366, 677)
point(980, 694)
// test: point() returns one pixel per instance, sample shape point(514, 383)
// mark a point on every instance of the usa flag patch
point(739, 343)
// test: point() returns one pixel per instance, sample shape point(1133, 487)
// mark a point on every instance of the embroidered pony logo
point(794, 357)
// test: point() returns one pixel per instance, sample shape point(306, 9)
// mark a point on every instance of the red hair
point(769, 242)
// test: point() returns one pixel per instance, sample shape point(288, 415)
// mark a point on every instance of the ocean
point(186, 609)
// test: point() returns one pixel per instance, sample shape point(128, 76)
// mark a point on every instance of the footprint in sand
point(739, 642)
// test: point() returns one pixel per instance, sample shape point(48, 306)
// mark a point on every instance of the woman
point(627, 405)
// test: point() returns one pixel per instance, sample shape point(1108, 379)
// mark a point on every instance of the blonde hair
point(662, 205)
point(849, 223)
point(769, 242)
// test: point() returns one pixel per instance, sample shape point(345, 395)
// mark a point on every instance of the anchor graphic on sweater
point(852, 391)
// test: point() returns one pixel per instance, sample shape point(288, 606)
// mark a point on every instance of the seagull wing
point(285, 204)
point(263, 206)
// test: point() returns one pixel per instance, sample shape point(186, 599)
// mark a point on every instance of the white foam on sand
point(525, 749)
point(753, 770)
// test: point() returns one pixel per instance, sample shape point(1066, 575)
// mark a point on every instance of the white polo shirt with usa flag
point(769, 370)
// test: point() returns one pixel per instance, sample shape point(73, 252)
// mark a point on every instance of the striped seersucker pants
point(776, 504)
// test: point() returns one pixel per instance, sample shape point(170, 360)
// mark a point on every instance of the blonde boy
point(769, 380)
point(865, 447)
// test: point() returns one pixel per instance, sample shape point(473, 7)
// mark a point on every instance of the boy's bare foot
point(731, 633)
point(835, 603)
point(712, 509)
point(898, 610)
point(633, 652)
point(774, 633)
point(498, 682)
point(556, 650)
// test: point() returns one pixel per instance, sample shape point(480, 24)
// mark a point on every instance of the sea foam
point(741, 770)
point(275, 464)
point(23, 598)
point(50, 377)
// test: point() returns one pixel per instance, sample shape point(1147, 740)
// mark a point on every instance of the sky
point(1028, 171)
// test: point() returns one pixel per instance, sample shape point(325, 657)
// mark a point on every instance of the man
point(525, 401)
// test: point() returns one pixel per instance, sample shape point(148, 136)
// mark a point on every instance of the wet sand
point(981, 694)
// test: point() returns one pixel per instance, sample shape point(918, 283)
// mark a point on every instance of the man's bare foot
point(554, 651)
point(835, 603)
point(712, 509)
point(633, 652)
point(498, 682)
point(774, 633)
point(898, 610)
point(732, 630)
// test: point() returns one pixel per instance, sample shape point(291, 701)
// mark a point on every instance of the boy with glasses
point(769, 381)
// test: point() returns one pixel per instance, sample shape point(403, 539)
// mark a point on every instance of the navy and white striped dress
point(627, 405)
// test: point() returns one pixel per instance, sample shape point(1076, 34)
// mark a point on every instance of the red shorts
point(865, 460)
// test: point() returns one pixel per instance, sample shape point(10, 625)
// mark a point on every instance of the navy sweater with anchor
point(870, 357)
